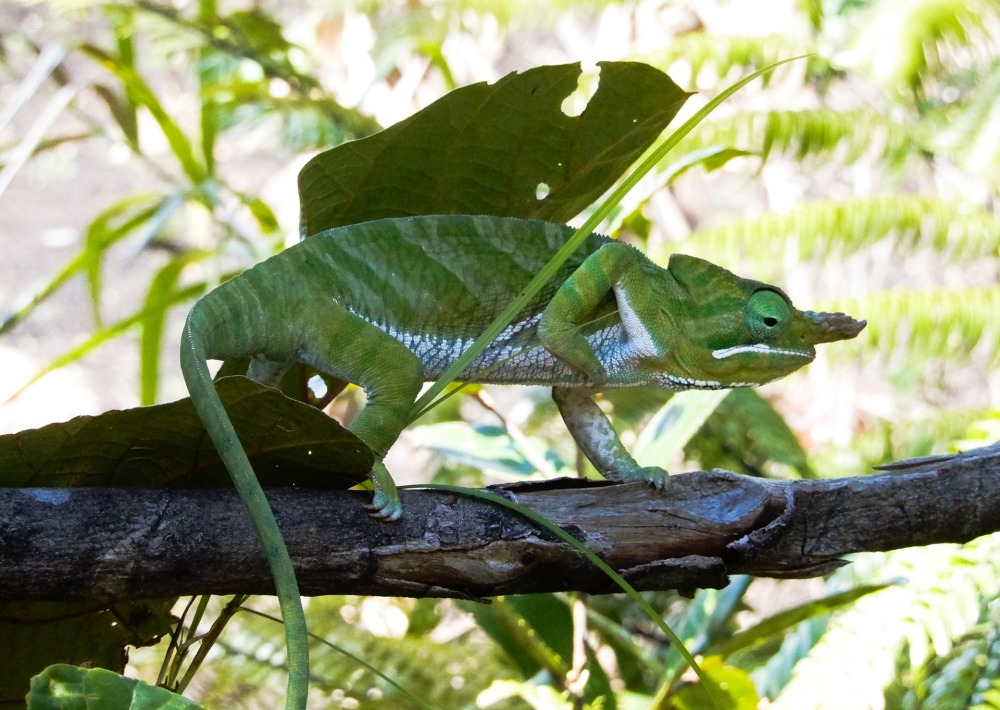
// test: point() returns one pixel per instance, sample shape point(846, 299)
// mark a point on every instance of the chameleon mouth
point(723, 353)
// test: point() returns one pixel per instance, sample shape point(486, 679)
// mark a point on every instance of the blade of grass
point(159, 298)
point(138, 91)
point(111, 225)
point(36, 134)
point(112, 331)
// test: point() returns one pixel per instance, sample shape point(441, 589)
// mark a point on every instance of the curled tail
point(220, 429)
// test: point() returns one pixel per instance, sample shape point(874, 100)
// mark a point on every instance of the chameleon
point(390, 304)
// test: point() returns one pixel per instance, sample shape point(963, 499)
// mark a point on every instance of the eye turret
point(768, 314)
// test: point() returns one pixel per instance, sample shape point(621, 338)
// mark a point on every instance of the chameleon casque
point(390, 304)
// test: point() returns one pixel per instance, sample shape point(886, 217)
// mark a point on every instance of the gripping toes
point(385, 503)
point(656, 476)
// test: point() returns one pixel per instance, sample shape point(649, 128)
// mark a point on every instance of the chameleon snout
point(830, 327)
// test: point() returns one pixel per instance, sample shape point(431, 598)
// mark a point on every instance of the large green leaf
point(37, 634)
point(504, 149)
point(166, 445)
point(64, 687)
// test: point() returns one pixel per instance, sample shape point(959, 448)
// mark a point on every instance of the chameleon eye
point(767, 314)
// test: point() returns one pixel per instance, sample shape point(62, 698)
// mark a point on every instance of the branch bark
point(117, 544)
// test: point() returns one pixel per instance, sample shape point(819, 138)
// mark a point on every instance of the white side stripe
point(755, 348)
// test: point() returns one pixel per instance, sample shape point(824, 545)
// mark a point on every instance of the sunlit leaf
point(65, 687)
point(143, 95)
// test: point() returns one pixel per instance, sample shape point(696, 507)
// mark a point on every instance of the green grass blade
point(138, 91)
point(187, 294)
point(159, 299)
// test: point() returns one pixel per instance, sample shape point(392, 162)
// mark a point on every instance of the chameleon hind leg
point(351, 349)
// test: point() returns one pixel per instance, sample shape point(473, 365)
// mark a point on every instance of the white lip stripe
point(755, 348)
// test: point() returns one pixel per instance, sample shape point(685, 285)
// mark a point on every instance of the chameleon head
point(741, 332)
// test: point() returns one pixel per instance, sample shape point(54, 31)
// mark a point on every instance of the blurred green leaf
point(840, 227)
point(112, 331)
point(161, 295)
point(745, 434)
point(919, 324)
point(904, 44)
point(66, 687)
point(812, 136)
point(487, 149)
point(141, 94)
point(672, 427)
point(104, 231)
point(778, 623)
point(288, 443)
point(724, 53)
point(484, 447)
point(535, 630)
point(738, 692)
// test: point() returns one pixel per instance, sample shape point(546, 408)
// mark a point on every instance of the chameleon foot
point(385, 503)
point(656, 476)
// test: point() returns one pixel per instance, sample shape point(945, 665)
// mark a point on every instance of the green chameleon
point(390, 304)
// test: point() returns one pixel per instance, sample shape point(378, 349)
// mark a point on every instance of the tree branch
point(115, 544)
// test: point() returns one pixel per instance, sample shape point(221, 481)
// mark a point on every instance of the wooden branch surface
point(115, 544)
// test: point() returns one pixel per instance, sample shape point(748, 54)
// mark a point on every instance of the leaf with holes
point(504, 149)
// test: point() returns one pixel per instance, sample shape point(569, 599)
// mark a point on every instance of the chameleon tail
point(220, 429)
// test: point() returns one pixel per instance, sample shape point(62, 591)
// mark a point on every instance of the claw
point(383, 508)
point(385, 503)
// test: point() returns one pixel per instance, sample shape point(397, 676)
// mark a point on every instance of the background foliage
point(149, 149)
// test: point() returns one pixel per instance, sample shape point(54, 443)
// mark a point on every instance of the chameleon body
point(390, 304)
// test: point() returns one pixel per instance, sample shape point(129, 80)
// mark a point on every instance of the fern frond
point(905, 42)
point(931, 323)
point(809, 133)
point(941, 601)
point(974, 134)
point(950, 681)
point(722, 54)
point(845, 226)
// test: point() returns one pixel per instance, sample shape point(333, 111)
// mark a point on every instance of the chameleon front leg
point(614, 267)
point(597, 439)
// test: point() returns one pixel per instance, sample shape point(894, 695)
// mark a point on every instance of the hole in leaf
point(542, 191)
point(586, 86)
point(317, 386)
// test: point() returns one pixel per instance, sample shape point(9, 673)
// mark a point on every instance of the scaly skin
point(390, 304)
